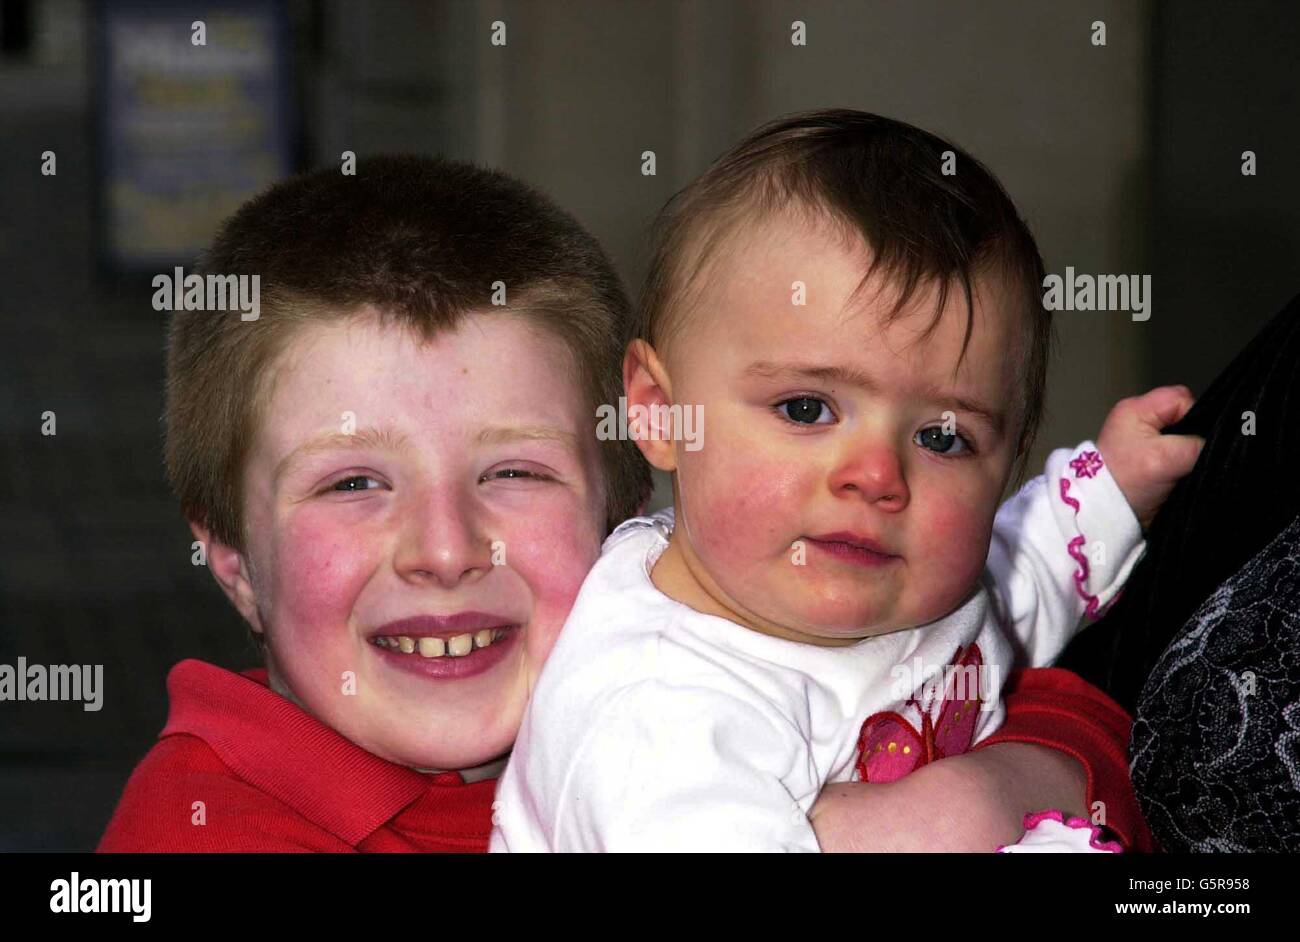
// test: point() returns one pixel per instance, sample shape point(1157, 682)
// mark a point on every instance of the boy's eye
point(805, 410)
point(355, 483)
point(935, 439)
point(511, 474)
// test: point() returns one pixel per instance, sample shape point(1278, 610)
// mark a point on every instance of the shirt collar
point(280, 749)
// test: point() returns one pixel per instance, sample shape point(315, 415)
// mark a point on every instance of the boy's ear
point(649, 391)
point(231, 572)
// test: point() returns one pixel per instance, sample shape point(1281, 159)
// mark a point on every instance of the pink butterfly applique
point(890, 746)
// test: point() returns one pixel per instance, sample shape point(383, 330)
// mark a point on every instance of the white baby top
point(656, 727)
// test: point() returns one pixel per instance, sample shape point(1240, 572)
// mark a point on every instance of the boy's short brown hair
point(421, 239)
point(882, 180)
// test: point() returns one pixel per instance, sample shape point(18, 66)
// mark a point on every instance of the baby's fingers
point(1165, 405)
point(1178, 453)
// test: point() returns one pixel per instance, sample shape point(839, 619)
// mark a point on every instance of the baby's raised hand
point(1145, 464)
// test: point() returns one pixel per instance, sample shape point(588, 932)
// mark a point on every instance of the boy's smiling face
point(469, 484)
point(822, 427)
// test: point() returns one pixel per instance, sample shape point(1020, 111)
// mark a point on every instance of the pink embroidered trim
point(1081, 576)
point(1094, 838)
point(1087, 464)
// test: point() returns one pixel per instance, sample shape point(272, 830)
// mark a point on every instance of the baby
point(837, 596)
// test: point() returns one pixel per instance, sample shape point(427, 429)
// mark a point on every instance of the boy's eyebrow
point(368, 437)
point(851, 376)
point(371, 437)
point(506, 434)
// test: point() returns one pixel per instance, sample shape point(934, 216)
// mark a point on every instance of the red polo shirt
point(273, 778)
point(1061, 710)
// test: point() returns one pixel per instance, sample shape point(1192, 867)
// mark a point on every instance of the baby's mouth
point(454, 646)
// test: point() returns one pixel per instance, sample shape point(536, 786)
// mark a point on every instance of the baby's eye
point(355, 483)
point(935, 439)
point(805, 410)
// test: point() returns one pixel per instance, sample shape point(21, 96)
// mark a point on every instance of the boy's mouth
point(436, 646)
point(447, 647)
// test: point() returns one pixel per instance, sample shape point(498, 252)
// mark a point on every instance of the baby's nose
point(873, 474)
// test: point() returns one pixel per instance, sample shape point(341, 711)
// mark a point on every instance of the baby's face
point(820, 429)
point(467, 498)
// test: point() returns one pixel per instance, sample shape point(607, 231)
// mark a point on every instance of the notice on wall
point(195, 119)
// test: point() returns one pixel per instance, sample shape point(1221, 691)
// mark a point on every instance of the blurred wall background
point(1125, 158)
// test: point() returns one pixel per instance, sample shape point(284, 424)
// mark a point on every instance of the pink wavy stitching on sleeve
point(1081, 576)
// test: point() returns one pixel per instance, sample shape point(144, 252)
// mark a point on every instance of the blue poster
point(195, 119)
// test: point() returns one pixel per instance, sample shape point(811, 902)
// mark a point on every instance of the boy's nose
point(870, 472)
point(441, 540)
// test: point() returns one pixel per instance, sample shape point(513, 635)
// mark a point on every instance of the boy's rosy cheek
point(318, 566)
point(553, 556)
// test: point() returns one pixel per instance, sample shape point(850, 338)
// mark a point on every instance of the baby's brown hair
point(421, 239)
point(884, 181)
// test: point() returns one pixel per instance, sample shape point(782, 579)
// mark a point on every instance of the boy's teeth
point(457, 646)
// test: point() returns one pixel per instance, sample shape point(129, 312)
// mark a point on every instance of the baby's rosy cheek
point(740, 507)
point(955, 535)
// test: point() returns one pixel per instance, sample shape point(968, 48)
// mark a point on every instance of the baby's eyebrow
point(851, 376)
point(367, 437)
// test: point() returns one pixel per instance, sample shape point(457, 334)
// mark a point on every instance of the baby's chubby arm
point(1064, 545)
point(972, 802)
point(660, 767)
point(1063, 747)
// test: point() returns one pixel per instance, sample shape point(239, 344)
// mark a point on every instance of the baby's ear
point(648, 391)
point(231, 572)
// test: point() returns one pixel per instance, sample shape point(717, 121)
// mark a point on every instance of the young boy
point(831, 599)
point(445, 334)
